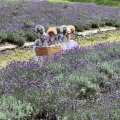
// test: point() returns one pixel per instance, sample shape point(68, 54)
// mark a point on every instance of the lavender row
point(24, 16)
point(64, 81)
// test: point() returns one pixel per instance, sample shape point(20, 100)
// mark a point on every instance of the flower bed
point(81, 83)
point(19, 19)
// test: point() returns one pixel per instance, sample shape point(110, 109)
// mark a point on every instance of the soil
point(99, 35)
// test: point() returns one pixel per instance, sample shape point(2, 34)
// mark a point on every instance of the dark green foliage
point(31, 36)
point(94, 24)
point(117, 24)
point(15, 39)
point(28, 23)
point(78, 28)
point(3, 37)
point(111, 22)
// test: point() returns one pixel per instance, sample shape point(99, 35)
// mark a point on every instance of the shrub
point(12, 38)
point(3, 37)
point(31, 36)
point(15, 39)
point(28, 23)
point(111, 22)
point(19, 16)
point(117, 24)
point(64, 81)
point(78, 28)
point(94, 24)
point(11, 108)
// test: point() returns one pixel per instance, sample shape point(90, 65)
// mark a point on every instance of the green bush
point(78, 28)
point(12, 38)
point(13, 109)
point(15, 39)
point(117, 24)
point(28, 23)
point(111, 22)
point(31, 36)
point(95, 24)
point(3, 37)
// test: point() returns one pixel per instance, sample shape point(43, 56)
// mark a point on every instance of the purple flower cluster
point(63, 81)
point(24, 16)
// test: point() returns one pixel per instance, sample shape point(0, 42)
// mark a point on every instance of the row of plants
point(82, 83)
point(21, 17)
point(17, 39)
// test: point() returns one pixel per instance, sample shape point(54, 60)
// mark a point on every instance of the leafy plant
point(66, 82)
point(31, 36)
point(28, 23)
point(3, 37)
point(15, 39)
point(11, 108)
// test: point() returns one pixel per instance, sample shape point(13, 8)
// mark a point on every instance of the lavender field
point(81, 84)
point(18, 19)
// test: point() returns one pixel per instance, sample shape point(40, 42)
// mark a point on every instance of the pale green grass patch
point(18, 55)
point(57, 0)
point(10, 0)
point(93, 41)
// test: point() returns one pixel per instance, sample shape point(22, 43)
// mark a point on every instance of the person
point(52, 36)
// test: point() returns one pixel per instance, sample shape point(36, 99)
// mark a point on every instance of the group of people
point(53, 35)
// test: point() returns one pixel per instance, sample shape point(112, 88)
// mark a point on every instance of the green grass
point(11, 0)
point(105, 38)
point(18, 55)
point(115, 3)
